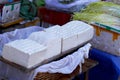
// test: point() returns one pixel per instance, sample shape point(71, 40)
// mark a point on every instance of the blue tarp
point(108, 67)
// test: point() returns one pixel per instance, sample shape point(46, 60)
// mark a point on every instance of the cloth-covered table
point(108, 67)
point(66, 65)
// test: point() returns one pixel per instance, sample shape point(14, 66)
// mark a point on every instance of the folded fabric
point(85, 50)
point(67, 64)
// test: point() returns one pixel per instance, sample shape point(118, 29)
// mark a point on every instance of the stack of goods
point(105, 16)
point(43, 45)
point(9, 11)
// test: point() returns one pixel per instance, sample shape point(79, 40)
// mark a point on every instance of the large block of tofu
point(53, 28)
point(24, 52)
point(66, 37)
point(51, 41)
point(83, 30)
point(69, 39)
point(73, 34)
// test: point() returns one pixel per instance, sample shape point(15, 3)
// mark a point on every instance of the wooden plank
point(32, 23)
point(60, 76)
point(85, 67)
point(7, 24)
point(89, 63)
point(24, 69)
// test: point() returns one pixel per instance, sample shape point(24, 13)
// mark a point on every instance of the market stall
point(59, 50)
point(13, 42)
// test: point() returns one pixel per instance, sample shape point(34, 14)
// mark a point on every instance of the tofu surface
point(50, 40)
point(25, 52)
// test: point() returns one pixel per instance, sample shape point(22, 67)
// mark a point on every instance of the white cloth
point(67, 64)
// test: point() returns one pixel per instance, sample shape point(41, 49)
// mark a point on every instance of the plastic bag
point(28, 10)
point(96, 17)
point(102, 12)
point(74, 6)
point(103, 7)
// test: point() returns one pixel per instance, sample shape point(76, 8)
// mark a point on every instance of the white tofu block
point(53, 28)
point(83, 31)
point(73, 34)
point(69, 39)
point(69, 43)
point(51, 41)
point(24, 52)
point(56, 30)
point(85, 35)
point(65, 33)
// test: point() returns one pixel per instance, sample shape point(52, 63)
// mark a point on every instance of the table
point(7, 24)
point(88, 63)
point(54, 58)
point(58, 76)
